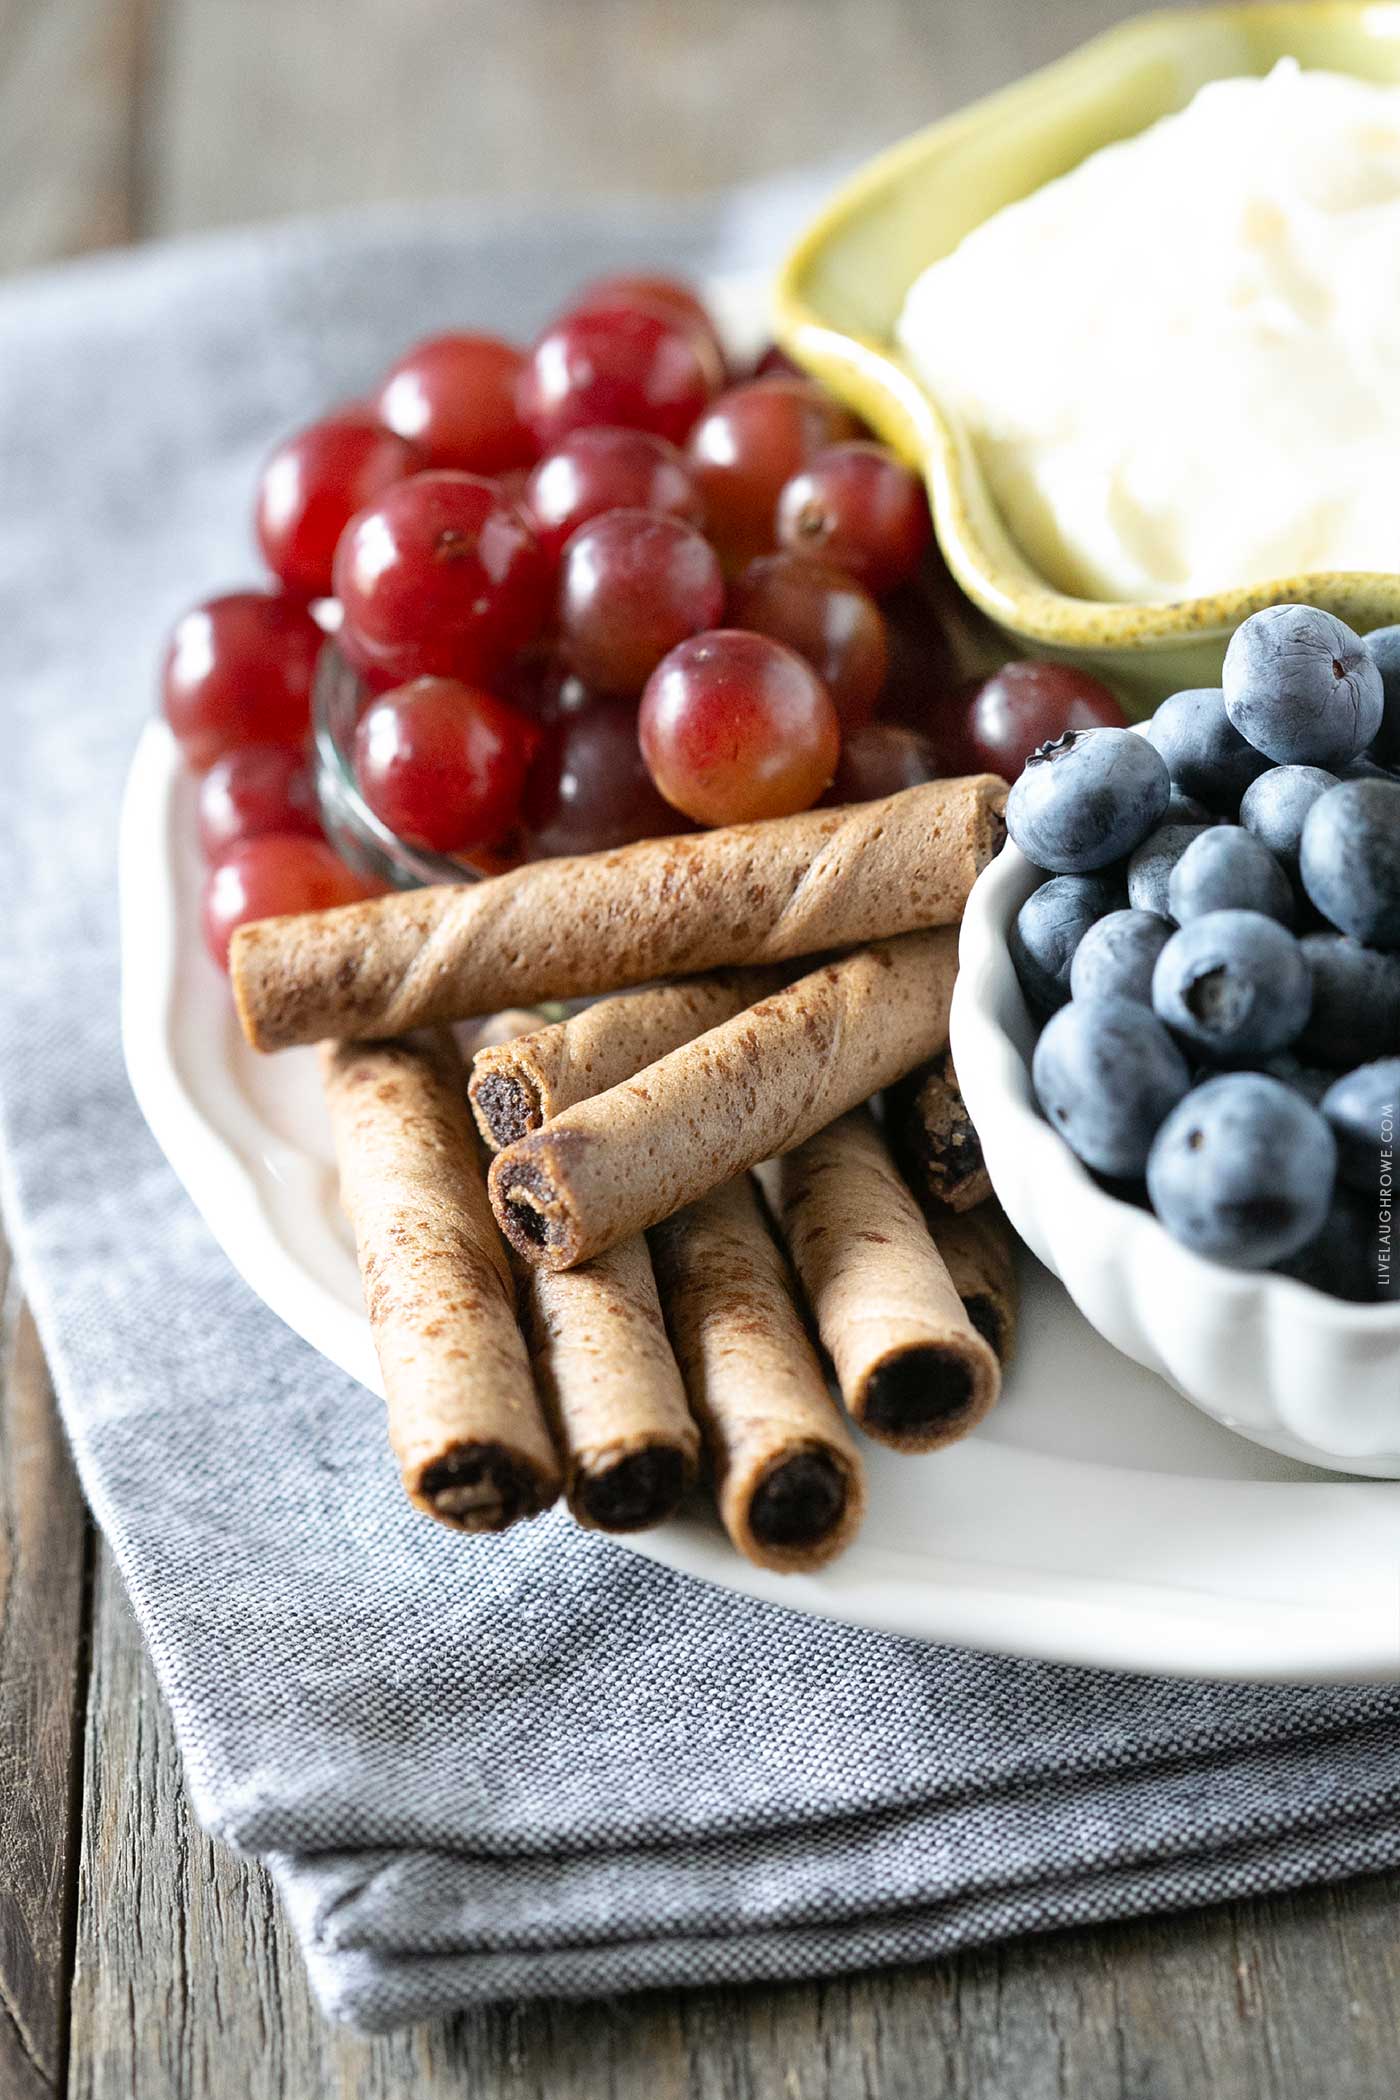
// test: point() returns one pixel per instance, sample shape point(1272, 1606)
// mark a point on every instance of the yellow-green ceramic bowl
point(840, 293)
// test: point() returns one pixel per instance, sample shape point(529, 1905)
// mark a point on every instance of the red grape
point(311, 488)
point(440, 577)
point(539, 684)
point(514, 487)
point(923, 661)
point(602, 469)
point(734, 726)
point(443, 765)
point(262, 787)
point(994, 727)
point(666, 295)
point(619, 365)
point(826, 617)
point(495, 860)
point(275, 873)
point(455, 397)
point(372, 674)
point(238, 670)
point(879, 759)
point(632, 584)
point(589, 790)
point(857, 506)
point(747, 446)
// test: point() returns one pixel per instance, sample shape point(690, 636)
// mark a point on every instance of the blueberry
point(1367, 768)
point(1205, 754)
point(1116, 958)
point(1384, 645)
point(1233, 986)
point(1350, 859)
point(1227, 869)
point(1275, 806)
point(1302, 687)
point(1149, 870)
point(1306, 1080)
point(1185, 809)
point(1049, 927)
point(1243, 1171)
point(1087, 799)
point(1350, 1256)
point(1362, 1110)
point(1355, 1003)
point(1106, 1072)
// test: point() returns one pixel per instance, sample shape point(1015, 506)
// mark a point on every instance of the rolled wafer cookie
point(934, 1139)
point(913, 1370)
point(788, 1479)
point(979, 1249)
point(518, 1084)
point(605, 1371)
point(486, 1034)
point(747, 1090)
point(610, 1382)
point(465, 1424)
point(563, 929)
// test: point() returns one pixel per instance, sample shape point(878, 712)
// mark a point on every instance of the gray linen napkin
point(536, 1765)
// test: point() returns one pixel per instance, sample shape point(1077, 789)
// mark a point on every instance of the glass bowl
point(357, 834)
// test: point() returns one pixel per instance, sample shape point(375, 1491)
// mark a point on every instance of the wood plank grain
point(69, 169)
point(42, 1563)
point(289, 105)
point(72, 139)
point(187, 1986)
point(183, 1980)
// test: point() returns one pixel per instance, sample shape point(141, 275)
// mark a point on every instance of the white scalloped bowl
point(1276, 1361)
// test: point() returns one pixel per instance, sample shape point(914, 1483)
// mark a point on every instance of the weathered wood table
point(135, 1958)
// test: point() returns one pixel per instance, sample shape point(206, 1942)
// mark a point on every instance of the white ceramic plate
point(1095, 1518)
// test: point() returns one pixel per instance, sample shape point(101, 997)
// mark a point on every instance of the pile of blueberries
point(1216, 952)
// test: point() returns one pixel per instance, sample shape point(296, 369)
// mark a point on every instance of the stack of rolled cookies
point(693, 1226)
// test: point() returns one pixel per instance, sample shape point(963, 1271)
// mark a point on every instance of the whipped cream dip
point(1179, 364)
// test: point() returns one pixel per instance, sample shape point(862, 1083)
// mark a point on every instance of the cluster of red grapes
point(594, 590)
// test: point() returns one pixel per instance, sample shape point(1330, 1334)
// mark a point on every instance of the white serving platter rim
point(1198, 1556)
